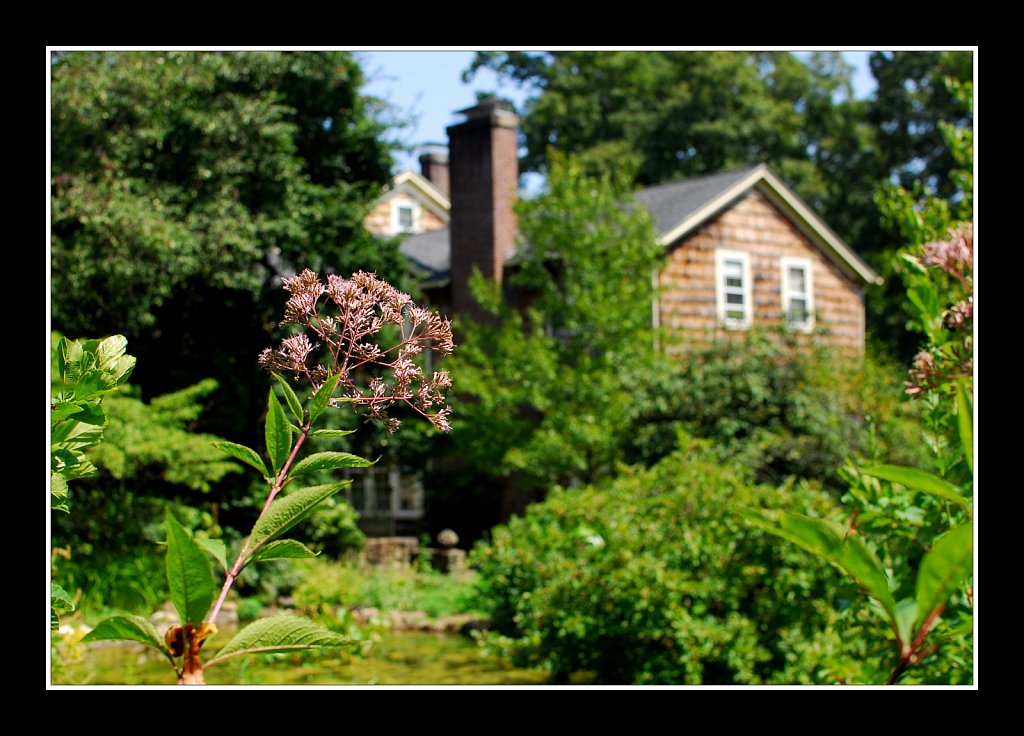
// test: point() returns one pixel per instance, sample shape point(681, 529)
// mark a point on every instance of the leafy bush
point(770, 404)
point(648, 579)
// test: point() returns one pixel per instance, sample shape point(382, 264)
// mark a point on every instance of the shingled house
point(741, 250)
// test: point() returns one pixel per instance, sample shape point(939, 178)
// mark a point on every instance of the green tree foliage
point(184, 183)
point(664, 115)
point(178, 169)
point(646, 579)
point(548, 389)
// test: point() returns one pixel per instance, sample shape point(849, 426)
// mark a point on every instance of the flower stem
point(279, 483)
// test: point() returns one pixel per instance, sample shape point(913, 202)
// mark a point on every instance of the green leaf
point(63, 410)
point(280, 634)
point(332, 432)
point(243, 453)
point(832, 543)
point(322, 398)
point(965, 421)
point(59, 493)
point(128, 628)
point(290, 398)
point(919, 480)
point(942, 570)
point(328, 461)
point(282, 549)
point(278, 435)
point(60, 596)
point(216, 548)
point(286, 512)
point(110, 350)
point(189, 574)
point(906, 614)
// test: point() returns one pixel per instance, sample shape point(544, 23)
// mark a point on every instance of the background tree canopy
point(183, 182)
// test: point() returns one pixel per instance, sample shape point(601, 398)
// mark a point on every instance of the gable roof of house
point(678, 209)
point(423, 190)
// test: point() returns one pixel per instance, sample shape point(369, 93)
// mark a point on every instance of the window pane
point(797, 280)
point(798, 310)
point(405, 217)
point(734, 298)
point(733, 273)
point(736, 314)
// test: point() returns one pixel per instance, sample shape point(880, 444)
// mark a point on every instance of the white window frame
point(396, 221)
point(788, 294)
point(722, 290)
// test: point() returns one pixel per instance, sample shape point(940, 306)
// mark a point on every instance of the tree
point(664, 115)
point(549, 389)
point(184, 182)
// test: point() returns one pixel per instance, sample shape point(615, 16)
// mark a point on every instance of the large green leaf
point(282, 549)
point(942, 570)
point(328, 461)
point(286, 512)
point(278, 434)
point(243, 453)
point(289, 396)
point(129, 628)
point(833, 543)
point(919, 480)
point(189, 574)
point(965, 421)
point(280, 634)
point(322, 398)
point(59, 493)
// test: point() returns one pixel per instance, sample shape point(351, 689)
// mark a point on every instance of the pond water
point(396, 659)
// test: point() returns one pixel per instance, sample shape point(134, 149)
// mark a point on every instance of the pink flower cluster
point(362, 307)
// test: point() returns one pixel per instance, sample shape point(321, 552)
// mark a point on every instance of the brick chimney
point(434, 166)
point(484, 180)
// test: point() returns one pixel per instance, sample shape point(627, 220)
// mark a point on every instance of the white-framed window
point(404, 216)
point(732, 279)
point(798, 293)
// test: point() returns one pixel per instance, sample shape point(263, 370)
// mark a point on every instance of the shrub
point(648, 579)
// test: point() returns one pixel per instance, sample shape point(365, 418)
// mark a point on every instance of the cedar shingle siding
point(687, 304)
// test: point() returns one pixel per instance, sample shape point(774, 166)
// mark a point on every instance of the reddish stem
point(909, 651)
point(279, 484)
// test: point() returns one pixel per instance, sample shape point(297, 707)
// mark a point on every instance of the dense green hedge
point(651, 579)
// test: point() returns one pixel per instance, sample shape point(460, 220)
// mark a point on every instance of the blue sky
point(426, 87)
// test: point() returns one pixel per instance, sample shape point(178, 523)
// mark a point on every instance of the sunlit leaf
point(919, 480)
point(832, 543)
point(282, 549)
point(189, 574)
point(290, 398)
point(59, 493)
point(332, 432)
point(129, 628)
point(278, 434)
point(322, 398)
point(280, 634)
point(329, 461)
point(216, 548)
point(243, 453)
point(284, 513)
point(943, 569)
point(965, 422)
